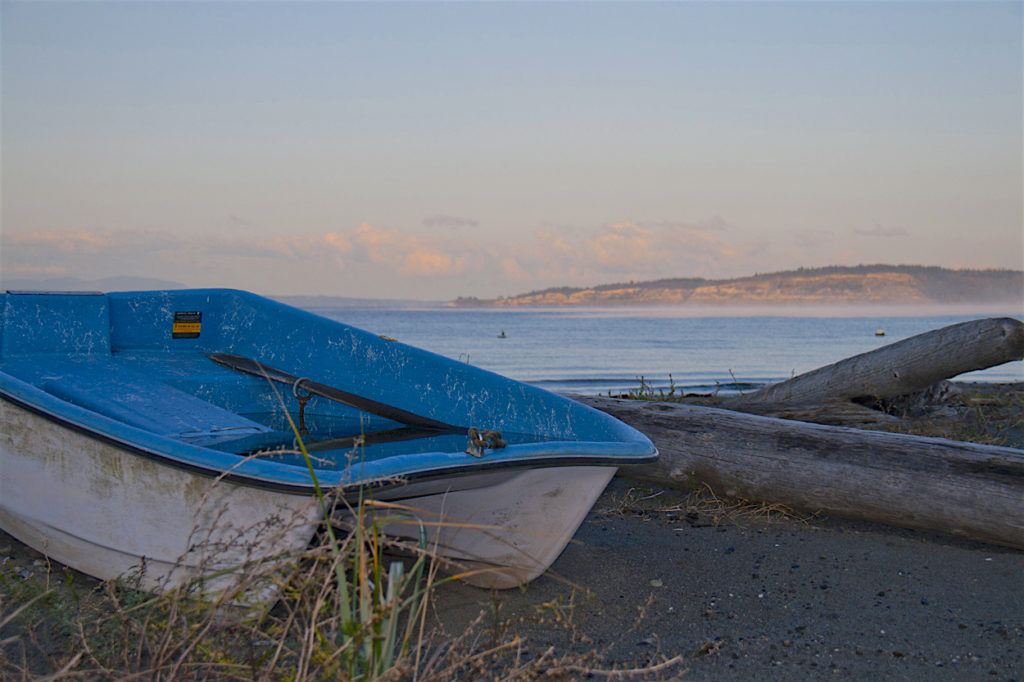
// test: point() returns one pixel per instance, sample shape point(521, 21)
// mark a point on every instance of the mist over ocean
point(591, 350)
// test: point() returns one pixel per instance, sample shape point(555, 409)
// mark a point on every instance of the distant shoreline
point(825, 286)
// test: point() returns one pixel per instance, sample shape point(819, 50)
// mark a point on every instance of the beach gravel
point(785, 599)
point(648, 578)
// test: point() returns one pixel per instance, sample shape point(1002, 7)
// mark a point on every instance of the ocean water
point(594, 351)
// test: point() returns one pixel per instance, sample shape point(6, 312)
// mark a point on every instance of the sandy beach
point(741, 596)
point(756, 599)
point(745, 592)
point(737, 590)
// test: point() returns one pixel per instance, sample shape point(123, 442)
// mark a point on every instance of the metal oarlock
point(303, 398)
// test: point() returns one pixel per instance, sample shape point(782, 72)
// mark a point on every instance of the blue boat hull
point(139, 379)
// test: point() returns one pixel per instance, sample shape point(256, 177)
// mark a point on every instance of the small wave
point(621, 387)
point(582, 382)
point(732, 386)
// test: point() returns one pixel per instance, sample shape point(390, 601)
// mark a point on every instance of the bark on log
point(833, 412)
point(969, 490)
point(910, 365)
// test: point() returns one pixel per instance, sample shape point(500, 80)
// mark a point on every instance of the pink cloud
point(624, 246)
point(511, 269)
point(611, 252)
point(408, 254)
point(631, 249)
point(429, 263)
point(338, 242)
point(62, 241)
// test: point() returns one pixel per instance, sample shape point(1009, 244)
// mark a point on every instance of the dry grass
point(466, 657)
point(702, 506)
point(986, 414)
point(60, 625)
point(494, 648)
point(340, 609)
point(352, 606)
point(343, 611)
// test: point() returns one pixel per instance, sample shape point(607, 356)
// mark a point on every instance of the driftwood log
point(834, 412)
point(900, 368)
point(964, 489)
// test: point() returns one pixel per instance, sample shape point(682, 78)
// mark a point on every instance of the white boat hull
point(113, 513)
point(504, 529)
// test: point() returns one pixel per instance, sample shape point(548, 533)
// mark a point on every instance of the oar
point(375, 438)
point(256, 368)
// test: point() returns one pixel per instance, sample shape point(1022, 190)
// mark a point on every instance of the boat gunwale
point(474, 466)
point(627, 447)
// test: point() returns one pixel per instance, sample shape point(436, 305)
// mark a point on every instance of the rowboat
point(150, 434)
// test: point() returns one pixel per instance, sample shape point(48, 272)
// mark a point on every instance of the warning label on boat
point(187, 325)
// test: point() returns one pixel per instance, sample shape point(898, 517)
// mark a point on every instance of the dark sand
point(785, 599)
point(751, 599)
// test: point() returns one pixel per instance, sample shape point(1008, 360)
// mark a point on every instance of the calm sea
point(602, 350)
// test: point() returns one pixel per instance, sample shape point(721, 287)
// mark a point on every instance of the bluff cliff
point(857, 285)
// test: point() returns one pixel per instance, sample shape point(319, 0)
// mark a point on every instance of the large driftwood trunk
point(970, 490)
point(904, 367)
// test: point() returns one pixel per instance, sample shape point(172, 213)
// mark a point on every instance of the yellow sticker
point(187, 325)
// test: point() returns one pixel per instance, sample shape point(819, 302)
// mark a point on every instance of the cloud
point(429, 263)
point(552, 256)
point(712, 224)
point(624, 247)
point(555, 244)
point(636, 250)
point(449, 221)
point(880, 231)
point(276, 247)
point(389, 258)
point(408, 254)
point(813, 239)
point(512, 270)
point(393, 250)
point(90, 241)
point(338, 242)
point(629, 247)
point(62, 241)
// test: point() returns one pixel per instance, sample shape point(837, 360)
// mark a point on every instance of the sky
point(435, 150)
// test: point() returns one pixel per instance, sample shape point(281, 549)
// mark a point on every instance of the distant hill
point(833, 285)
point(119, 283)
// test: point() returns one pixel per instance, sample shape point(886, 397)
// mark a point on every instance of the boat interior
point(147, 361)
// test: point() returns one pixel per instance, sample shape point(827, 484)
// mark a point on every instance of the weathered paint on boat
point(508, 530)
point(126, 450)
point(108, 512)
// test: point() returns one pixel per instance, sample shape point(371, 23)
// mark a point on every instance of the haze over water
point(600, 350)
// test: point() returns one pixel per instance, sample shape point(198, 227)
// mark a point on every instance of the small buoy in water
point(502, 335)
point(879, 332)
